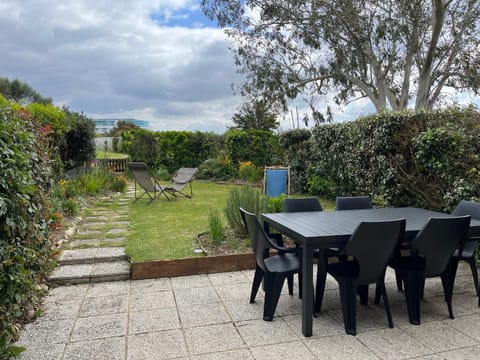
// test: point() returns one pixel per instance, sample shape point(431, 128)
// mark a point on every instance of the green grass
point(168, 230)
point(110, 155)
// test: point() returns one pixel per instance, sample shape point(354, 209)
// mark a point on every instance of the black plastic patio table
point(328, 229)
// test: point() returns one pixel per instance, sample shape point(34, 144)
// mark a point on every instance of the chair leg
point(349, 310)
point(413, 281)
point(448, 291)
point(398, 279)
point(383, 291)
point(273, 288)
point(300, 286)
point(257, 280)
point(362, 292)
point(290, 284)
point(473, 269)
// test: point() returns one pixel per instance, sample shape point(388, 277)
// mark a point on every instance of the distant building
point(103, 126)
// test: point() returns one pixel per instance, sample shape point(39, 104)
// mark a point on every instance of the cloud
point(122, 58)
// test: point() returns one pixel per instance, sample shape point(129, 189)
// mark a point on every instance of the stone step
point(92, 255)
point(90, 273)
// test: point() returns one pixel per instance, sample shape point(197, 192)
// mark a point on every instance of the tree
point(255, 116)
point(79, 139)
point(396, 53)
point(121, 126)
point(21, 92)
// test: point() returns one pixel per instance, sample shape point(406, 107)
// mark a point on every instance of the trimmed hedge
point(427, 159)
point(24, 209)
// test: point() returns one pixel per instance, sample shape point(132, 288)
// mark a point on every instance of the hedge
point(427, 159)
point(24, 207)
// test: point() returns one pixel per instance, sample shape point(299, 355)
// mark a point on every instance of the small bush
point(215, 227)
point(248, 171)
point(219, 168)
point(247, 197)
point(119, 184)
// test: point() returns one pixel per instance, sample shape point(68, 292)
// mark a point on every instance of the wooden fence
point(115, 165)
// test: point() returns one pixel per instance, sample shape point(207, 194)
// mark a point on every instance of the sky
point(157, 60)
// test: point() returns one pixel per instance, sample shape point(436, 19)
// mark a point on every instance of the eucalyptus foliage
point(395, 53)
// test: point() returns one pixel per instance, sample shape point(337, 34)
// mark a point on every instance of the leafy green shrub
point(258, 146)
point(247, 197)
point(25, 253)
point(215, 227)
point(248, 171)
point(427, 159)
point(219, 168)
point(119, 184)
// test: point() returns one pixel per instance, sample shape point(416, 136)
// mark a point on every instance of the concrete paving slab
point(88, 232)
point(339, 347)
point(110, 254)
point(150, 285)
point(66, 293)
point(393, 344)
point(296, 350)
point(99, 327)
point(71, 274)
point(195, 296)
point(439, 336)
point(259, 332)
point(110, 269)
point(104, 305)
point(194, 281)
point(61, 310)
point(121, 230)
point(241, 354)
point(111, 349)
point(218, 338)
point(77, 256)
point(157, 345)
point(115, 240)
point(112, 288)
point(45, 351)
point(228, 278)
point(46, 332)
point(203, 314)
point(83, 242)
point(323, 325)
point(152, 300)
point(154, 320)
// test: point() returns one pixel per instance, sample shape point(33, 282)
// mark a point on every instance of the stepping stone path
point(94, 251)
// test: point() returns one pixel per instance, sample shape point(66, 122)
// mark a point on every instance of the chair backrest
point(301, 204)
point(353, 203)
point(260, 241)
point(371, 244)
point(437, 241)
point(141, 173)
point(467, 208)
point(184, 175)
point(276, 181)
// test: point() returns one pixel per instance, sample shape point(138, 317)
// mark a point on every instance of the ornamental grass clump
point(215, 227)
point(247, 197)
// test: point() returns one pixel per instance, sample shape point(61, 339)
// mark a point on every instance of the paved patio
point(209, 317)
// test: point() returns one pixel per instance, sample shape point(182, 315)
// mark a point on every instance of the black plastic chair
point(367, 253)
point(272, 269)
point(429, 256)
point(353, 203)
point(466, 252)
point(301, 204)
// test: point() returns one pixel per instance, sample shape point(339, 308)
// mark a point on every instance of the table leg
point(307, 290)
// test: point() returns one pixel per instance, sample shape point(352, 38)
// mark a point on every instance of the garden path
point(94, 252)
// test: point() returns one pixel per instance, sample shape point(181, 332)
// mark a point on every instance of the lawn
point(109, 155)
point(167, 230)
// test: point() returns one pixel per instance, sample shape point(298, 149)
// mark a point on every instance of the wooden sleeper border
point(191, 266)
